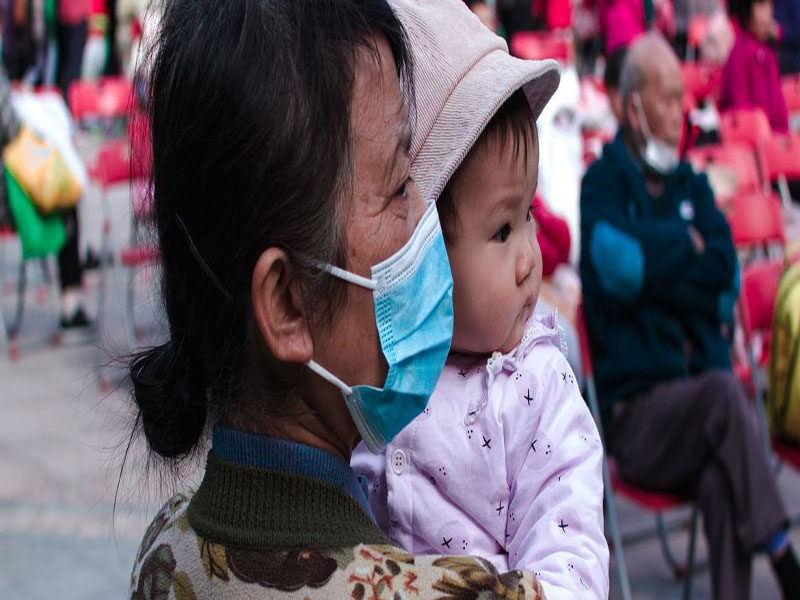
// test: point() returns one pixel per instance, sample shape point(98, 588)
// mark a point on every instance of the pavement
point(70, 525)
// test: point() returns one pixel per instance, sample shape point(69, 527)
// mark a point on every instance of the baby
point(505, 462)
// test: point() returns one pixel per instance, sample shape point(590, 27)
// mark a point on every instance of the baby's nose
point(525, 261)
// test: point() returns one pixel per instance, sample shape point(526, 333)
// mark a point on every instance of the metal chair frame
point(679, 570)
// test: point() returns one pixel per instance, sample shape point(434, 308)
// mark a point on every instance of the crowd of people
point(374, 336)
point(46, 43)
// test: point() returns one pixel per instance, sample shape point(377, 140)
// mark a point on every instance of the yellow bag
point(40, 170)
point(783, 401)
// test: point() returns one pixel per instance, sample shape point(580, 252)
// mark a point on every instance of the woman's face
point(379, 217)
point(761, 22)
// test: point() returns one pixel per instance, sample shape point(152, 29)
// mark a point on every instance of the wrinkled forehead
point(662, 71)
point(378, 106)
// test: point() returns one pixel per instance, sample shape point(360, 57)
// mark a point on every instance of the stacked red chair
point(745, 126)
point(120, 161)
point(790, 84)
point(780, 162)
point(537, 45)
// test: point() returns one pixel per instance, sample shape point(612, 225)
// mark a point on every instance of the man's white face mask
point(658, 155)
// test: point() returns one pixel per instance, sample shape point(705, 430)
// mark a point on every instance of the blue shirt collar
point(290, 457)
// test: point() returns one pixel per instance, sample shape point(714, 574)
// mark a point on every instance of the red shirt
point(552, 234)
point(72, 12)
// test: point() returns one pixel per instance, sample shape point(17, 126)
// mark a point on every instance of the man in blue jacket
point(660, 279)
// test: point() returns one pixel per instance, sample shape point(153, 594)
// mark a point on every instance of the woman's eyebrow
point(402, 146)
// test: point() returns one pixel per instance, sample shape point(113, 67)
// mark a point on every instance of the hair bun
point(171, 399)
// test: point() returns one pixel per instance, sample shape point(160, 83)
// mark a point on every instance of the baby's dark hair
point(512, 124)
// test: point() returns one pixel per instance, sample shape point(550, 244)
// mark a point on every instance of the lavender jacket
point(505, 463)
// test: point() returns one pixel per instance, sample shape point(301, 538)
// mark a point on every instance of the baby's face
point(494, 256)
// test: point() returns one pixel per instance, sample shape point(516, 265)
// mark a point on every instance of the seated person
point(751, 77)
point(75, 324)
point(660, 280)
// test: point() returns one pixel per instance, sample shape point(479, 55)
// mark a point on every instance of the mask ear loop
point(328, 376)
point(364, 282)
point(351, 278)
point(637, 100)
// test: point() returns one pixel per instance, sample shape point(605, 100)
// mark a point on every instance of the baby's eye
point(502, 233)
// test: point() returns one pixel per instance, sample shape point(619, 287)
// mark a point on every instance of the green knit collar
point(263, 509)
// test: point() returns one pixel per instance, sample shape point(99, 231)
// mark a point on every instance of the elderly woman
point(298, 260)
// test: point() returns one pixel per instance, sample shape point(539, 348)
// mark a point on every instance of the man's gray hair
point(647, 51)
point(633, 77)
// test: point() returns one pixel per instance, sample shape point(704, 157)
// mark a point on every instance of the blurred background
point(79, 275)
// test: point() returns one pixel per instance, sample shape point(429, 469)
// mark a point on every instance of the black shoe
point(77, 329)
point(92, 260)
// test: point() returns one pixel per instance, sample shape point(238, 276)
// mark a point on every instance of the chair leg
point(119, 276)
point(131, 302)
point(690, 566)
point(102, 290)
point(759, 391)
point(20, 310)
point(616, 535)
point(676, 568)
point(608, 492)
point(785, 194)
point(3, 330)
point(53, 299)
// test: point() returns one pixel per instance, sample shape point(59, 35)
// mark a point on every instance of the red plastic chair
point(756, 219)
point(558, 15)
point(695, 34)
point(534, 45)
point(745, 125)
point(791, 92)
point(654, 503)
point(780, 161)
point(114, 167)
point(700, 82)
point(735, 160)
point(103, 98)
point(756, 307)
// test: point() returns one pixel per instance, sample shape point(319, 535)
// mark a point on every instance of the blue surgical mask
point(413, 297)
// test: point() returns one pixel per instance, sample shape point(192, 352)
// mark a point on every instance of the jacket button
point(399, 461)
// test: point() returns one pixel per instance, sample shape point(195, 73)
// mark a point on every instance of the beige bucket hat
point(463, 73)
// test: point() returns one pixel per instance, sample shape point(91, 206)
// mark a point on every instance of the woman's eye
point(503, 233)
point(403, 190)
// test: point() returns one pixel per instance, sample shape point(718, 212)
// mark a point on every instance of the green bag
point(783, 402)
point(40, 236)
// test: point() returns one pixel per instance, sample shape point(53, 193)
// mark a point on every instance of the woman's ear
point(278, 308)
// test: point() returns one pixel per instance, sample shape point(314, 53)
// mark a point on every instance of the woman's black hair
point(742, 11)
point(249, 104)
